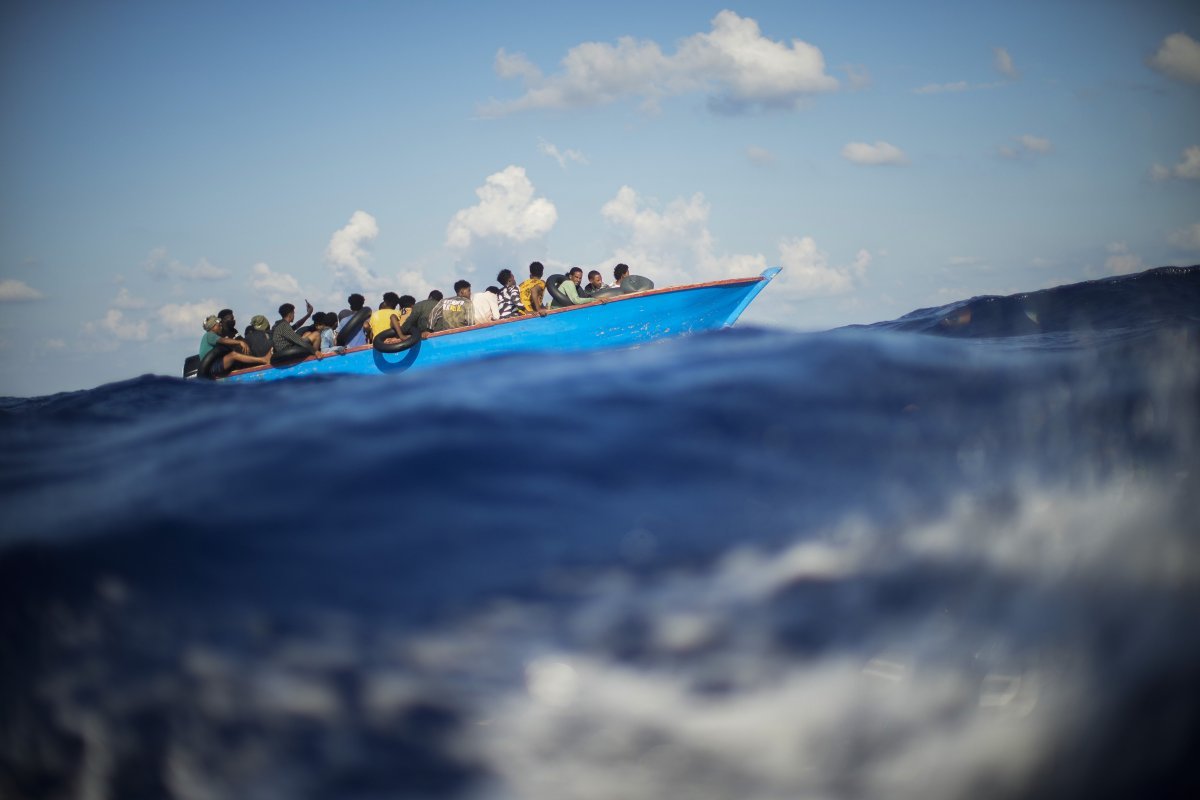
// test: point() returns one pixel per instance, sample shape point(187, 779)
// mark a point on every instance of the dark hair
point(493, 290)
point(407, 301)
point(503, 276)
point(573, 270)
point(620, 271)
point(436, 295)
point(319, 318)
point(536, 269)
point(285, 309)
point(595, 272)
point(391, 299)
point(356, 301)
point(459, 285)
point(331, 320)
point(224, 312)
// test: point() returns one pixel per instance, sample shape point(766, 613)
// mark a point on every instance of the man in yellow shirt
point(533, 290)
point(386, 321)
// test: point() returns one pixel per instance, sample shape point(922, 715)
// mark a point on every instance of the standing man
point(533, 290)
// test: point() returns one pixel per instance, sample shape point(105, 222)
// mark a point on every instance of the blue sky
point(163, 160)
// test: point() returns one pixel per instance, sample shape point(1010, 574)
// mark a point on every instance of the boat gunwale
point(520, 318)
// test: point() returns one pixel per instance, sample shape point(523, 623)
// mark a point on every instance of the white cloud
point(184, 320)
point(1027, 146)
point(1186, 169)
point(880, 153)
point(1004, 63)
point(275, 286)
point(1122, 262)
point(507, 210)
point(1187, 238)
point(127, 301)
point(760, 155)
point(674, 246)
point(1178, 57)
point(561, 156)
point(347, 250)
point(941, 88)
point(733, 63)
point(160, 264)
point(115, 327)
point(15, 291)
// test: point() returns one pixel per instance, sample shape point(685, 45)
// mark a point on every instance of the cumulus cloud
point(15, 291)
point(1187, 238)
point(1178, 57)
point(507, 210)
point(674, 244)
point(561, 156)
point(880, 153)
point(1121, 261)
point(347, 250)
point(184, 320)
point(115, 326)
point(275, 286)
point(160, 264)
point(734, 64)
point(1025, 146)
point(1004, 63)
point(1187, 169)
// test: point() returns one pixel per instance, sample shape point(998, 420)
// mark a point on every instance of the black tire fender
point(552, 284)
point(352, 326)
point(389, 343)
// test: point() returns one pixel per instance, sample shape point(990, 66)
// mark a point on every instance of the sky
point(160, 161)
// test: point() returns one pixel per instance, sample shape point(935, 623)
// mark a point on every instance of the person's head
point(436, 295)
point(228, 323)
point(620, 271)
point(319, 320)
point(259, 323)
point(356, 301)
point(212, 322)
point(576, 275)
point(287, 311)
point(494, 290)
point(594, 279)
point(390, 300)
point(536, 270)
point(462, 288)
point(407, 301)
point(505, 277)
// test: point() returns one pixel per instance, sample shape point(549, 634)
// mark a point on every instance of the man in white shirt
point(487, 305)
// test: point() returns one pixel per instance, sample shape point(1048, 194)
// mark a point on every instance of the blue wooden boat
point(620, 321)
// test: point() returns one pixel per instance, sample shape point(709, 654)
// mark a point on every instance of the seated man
point(595, 283)
point(285, 338)
point(381, 321)
point(533, 290)
point(258, 336)
point(327, 323)
point(454, 312)
point(620, 271)
point(238, 354)
point(487, 305)
point(570, 287)
point(355, 302)
point(419, 321)
point(510, 296)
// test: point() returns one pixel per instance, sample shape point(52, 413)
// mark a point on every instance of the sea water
point(951, 555)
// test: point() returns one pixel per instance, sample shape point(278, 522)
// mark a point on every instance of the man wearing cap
point(258, 336)
point(239, 352)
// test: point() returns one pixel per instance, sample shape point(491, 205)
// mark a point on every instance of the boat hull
point(620, 321)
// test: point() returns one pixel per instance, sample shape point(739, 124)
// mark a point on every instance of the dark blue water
point(952, 555)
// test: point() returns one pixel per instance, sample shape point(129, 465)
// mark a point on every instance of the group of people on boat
point(398, 317)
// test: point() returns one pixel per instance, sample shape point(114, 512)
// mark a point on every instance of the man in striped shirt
point(510, 296)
